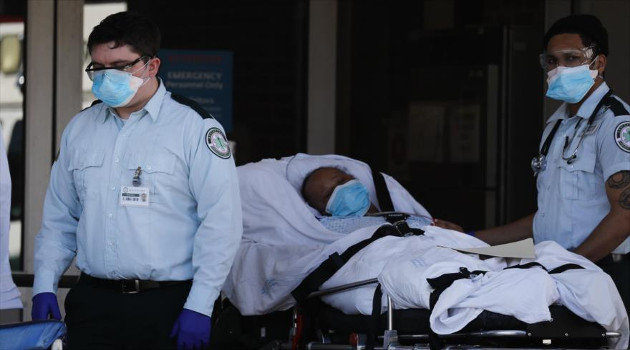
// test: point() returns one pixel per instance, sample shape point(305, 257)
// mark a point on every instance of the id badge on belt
point(135, 195)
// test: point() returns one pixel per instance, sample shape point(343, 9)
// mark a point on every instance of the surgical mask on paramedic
point(349, 199)
point(115, 87)
point(570, 84)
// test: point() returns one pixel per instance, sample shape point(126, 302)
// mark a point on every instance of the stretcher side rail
point(341, 288)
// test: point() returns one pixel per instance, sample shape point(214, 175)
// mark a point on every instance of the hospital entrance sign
point(202, 76)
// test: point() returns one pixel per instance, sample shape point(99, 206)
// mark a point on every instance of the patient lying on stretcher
point(341, 198)
point(285, 239)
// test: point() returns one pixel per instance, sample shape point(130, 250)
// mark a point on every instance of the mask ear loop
point(595, 61)
point(145, 79)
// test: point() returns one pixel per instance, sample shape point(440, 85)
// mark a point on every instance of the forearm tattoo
point(621, 180)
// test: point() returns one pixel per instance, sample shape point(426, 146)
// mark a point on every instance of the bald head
point(320, 184)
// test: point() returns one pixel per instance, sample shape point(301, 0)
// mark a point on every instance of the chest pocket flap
point(578, 179)
point(161, 164)
point(84, 159)
point(85, 167)
point(154, 164)
point(156, 173)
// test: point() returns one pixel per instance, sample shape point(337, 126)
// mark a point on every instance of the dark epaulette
point(94, 103)
point(192, 104)
point(616, 107)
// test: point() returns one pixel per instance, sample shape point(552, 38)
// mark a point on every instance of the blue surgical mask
point(570, 84)
point(114, 87)
point(349, 199)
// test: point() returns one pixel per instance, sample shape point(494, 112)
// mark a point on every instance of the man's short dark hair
point(588, 27)
point(127, 28)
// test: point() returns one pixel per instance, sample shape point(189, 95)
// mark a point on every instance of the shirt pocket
point(157, 174)
point(86, 166)
point(577, 180)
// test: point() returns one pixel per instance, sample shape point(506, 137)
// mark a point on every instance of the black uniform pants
point(105, 318)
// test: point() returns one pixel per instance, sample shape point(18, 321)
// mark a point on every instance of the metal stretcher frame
point(391, 338)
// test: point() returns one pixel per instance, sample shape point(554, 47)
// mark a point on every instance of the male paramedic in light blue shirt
point(583, 169)
point(145, 194)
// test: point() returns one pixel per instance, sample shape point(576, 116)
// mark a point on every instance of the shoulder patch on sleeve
point(622, 136)
point(217, 143)
point(192, 104)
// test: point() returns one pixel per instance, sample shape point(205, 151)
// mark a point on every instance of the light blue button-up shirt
point(572, 197)
point(192, 226)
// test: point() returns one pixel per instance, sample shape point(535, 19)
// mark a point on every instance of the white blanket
point(282, 238)
point(283, 242)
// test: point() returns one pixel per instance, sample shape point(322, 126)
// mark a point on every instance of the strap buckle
point(130, 286)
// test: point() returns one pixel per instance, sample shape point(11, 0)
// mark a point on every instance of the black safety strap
point(440, 284)
point(527, 266)
point(404, 229)
point(382, 193)
point(370, 342)
point(444, 281)
point(565, 267)
point(559, 269)
point(334, 262)
point(399, 220)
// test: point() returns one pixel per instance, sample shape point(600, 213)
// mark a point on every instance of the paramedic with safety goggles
point(144, 193)
point(583, 167)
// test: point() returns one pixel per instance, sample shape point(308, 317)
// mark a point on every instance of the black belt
point(126, 286)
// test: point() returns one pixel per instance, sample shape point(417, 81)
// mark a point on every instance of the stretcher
point(316, 325)
point(284, 244)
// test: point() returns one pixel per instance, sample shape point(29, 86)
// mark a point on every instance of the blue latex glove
point(192, 330)
point(44, 305)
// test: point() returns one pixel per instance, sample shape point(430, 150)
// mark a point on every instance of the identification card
point(131, 196)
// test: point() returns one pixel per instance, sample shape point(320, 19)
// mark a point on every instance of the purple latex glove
point(44, 305)
point(192, 330)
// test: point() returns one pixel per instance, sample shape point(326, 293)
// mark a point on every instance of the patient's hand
point(447, 225)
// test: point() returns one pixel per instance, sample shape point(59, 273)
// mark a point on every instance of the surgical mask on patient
point(570, 84)
point(116, 88)
point(349, 199)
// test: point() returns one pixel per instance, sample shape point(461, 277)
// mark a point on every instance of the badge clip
point(137, 181)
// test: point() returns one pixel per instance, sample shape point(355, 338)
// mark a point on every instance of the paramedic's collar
point(586, 109)
point(152, 107)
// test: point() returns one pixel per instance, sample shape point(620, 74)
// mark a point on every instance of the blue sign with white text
point(202, 76)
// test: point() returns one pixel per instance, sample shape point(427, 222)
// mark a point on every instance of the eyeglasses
point(566, 58)
point(90, 70)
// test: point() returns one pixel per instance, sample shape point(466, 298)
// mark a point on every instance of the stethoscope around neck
point(539, 163)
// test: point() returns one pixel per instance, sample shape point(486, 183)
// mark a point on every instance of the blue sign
point(202, 76)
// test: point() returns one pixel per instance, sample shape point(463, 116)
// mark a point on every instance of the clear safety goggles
point(566, 58)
